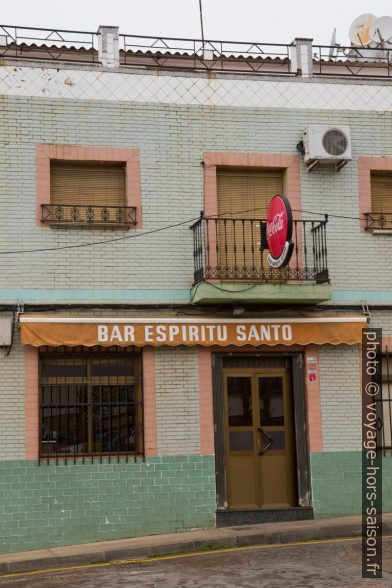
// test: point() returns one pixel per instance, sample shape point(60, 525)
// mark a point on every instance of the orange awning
point(106, 331)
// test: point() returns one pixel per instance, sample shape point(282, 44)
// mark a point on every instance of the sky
point(233, 20)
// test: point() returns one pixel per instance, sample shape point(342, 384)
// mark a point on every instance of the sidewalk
point(141, 547)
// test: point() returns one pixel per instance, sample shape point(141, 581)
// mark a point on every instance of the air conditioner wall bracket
point(313, 163)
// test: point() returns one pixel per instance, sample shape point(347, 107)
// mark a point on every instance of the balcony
point(70, 215)
point(230, 263)
point(379, 222)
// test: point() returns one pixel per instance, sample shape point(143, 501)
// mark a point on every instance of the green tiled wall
point(53, 505)
point(337, 485)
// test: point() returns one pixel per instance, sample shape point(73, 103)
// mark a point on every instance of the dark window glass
point(272, 440)
point(271, 401)
point(239, 398)
point(63, 369)
point(112, 367)
point(241, 440)
point(90, 404)
point(384, 406)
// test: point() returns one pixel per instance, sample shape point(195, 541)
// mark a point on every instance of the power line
point(80, 245)
point(152, 231)
point(318, 213)
point(331, 214)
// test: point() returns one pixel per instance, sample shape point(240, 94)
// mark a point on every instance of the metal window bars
point(378, 221)
point(91, 404)
point(386, 403)
point(87, 215)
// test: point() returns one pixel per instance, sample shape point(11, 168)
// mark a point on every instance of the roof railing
point(113, 50)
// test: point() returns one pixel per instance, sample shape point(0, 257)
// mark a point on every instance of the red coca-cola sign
point(279, 231)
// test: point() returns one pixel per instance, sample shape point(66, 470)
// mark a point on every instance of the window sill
point(375, 231)
point(100, 226)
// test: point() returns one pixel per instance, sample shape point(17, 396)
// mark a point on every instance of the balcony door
point(259, 438)
point(243, 198)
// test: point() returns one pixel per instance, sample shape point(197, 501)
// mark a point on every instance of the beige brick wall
point(340, 397)
point(172, 139)
point(12, 401)
point(382, 319)
point(177, 401)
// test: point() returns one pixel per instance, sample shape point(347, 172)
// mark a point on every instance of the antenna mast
point(201, 22)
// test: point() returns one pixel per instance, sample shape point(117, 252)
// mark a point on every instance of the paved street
point(315, 565)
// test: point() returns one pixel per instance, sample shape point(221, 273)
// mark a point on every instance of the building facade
point(157, 374)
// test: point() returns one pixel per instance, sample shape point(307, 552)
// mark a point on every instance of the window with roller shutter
point(381, 198)
point(244, 195)
point(88, 193)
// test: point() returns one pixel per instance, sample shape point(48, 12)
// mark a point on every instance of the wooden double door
point(259, 438)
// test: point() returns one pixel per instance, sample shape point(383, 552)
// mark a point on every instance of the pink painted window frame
point(290, 164)
point(365, 167)
point(44, 153)
point(32, 402)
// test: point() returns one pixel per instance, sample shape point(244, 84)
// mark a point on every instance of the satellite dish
point(332, 44)
point(359, 30)
point(381, 29)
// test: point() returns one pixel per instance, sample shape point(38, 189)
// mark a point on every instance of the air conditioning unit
point(327, 144)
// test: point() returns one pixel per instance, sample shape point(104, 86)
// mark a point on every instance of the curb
point(232, 538)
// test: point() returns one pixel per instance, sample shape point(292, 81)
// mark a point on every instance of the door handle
point(269, 442)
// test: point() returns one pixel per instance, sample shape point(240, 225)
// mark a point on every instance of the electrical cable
point(104, 241)
point(330, 214)
point(264, 208)
point(194, 291)
point(134, 236)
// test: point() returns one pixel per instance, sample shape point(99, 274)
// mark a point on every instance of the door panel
point(259, 439)
point(242, 467)
point(275, 482)
point(240, 441)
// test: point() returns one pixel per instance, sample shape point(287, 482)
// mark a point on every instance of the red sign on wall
point(279, 231)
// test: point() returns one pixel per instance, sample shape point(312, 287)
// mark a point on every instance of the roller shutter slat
point(244, 194)
point(98, 184)
point(381, 193)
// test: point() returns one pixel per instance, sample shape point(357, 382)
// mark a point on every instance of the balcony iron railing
point(230, 249)
point(71, 215)
point(378, 221)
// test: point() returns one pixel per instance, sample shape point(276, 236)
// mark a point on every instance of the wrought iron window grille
point(378, 221)
point(385, 422)
point(91, 405)
point(71, 215)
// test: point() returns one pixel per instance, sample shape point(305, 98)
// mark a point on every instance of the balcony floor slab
point(205, 293)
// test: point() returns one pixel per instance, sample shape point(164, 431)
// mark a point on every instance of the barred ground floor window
point(386, 402)
point(91, 403)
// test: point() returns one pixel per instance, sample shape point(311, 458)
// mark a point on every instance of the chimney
point(301, 57)
point(108, 46)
